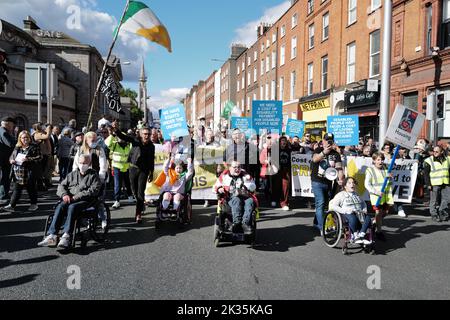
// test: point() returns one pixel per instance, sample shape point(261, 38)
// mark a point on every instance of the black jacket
point(7, 145)
point(141, 156)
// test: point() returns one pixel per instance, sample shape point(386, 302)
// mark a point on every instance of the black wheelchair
point(183, 215)
point(88, 225)
point(336, 228)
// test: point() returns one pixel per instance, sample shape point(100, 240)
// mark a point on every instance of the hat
point(328, 137)
point(421, 145)
point(78, 134)
point(8, 119)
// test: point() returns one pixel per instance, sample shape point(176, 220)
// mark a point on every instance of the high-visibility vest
point(377, 180)
point(119, 156)
point(439, 173)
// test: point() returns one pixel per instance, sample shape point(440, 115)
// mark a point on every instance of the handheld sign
point(345, 129)
point(267, 115)
point(173, 122)
point(243, 124)
point(295, 128)
point(403, 130)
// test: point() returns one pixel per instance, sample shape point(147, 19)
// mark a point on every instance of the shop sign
point(361, 98)
point(315, 105)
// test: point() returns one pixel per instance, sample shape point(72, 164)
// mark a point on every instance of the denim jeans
point(118, 178)
point(321, 198)
point(236, 204)
point(354, 223)
point(72, 211)
point(63, 168)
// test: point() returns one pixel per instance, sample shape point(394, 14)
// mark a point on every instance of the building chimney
point(30, 24)
point(237, 49)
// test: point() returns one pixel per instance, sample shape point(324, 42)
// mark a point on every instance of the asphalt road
point(289, 261)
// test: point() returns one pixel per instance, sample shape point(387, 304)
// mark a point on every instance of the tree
point(135, 113)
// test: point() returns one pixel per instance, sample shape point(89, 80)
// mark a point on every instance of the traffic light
point(440, 103)
point(430, 106)
point(3, 72)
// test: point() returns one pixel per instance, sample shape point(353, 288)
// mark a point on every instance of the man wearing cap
point(323, 158)
point(7, 144)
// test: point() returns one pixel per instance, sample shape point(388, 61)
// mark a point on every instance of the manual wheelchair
point(337, 229)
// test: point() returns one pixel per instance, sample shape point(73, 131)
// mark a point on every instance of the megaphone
point(331, 174)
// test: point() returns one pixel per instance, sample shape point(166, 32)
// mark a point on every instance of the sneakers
point(206, 205)
point(9, 208)
point(64, 242)
point(367, 242)
point(401, 213)
point(434, 218)
point(131, 199)
point(49, 241)
point(33, 207)
point(286, 208)
point(247, 229)
point(104, 224)
point(443, 216)
point(116, 205)
point(274, 204)
point(139, 219)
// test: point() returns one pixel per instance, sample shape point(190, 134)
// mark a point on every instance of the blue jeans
point(63, 168)
point(72, 211)
point(354, 223)
point(118, 178)
point(321, 198)
point(236, 204)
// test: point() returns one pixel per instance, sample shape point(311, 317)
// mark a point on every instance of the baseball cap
point(78, 134)
point(329, 137)
point(8, 119)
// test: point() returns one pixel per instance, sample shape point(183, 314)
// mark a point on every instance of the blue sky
point(200, 31)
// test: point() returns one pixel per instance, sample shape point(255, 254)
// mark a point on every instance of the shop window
point(445, 29)
point(411, 100)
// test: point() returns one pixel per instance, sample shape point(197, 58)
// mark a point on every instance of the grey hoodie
point(81, 188)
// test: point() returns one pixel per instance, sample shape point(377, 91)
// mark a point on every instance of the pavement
point(289, 260)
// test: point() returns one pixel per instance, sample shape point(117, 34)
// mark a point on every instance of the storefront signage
point(315, 105)
point(361, 98)
point(49, 34)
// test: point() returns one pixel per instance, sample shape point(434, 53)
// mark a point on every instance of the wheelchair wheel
point(217, 232)
point(188, 210)
point(332, 229)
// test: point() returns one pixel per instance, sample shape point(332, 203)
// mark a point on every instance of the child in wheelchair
point(178, 176)
point(350, 205)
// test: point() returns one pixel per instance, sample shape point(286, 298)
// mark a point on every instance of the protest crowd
point(89, 163)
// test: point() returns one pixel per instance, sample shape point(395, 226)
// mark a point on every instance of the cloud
point(96, 27)
point(247, 33)
point(167, 98)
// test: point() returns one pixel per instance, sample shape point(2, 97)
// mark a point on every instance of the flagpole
point(102, 75)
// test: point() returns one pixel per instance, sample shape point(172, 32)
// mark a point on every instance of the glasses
point(436, 151)
point(236, 167)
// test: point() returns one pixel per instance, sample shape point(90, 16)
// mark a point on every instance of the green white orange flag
point(139, 19)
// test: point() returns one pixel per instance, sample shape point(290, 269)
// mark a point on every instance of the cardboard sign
point(345, 130)
point(295, 128)
point(173, 122)
point(405, 127)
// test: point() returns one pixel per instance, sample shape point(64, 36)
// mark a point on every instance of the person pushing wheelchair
point(238, 187)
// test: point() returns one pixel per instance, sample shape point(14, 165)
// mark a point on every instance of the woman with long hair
point(99, 161)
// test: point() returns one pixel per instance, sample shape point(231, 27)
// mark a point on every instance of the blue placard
point(267, 115)
point(243, 124)
point(173, 122)
point(295, 128)
point(345, 129)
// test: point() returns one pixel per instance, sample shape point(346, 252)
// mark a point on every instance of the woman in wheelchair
point(237, 187)
point(349, 204)
point(179, 174)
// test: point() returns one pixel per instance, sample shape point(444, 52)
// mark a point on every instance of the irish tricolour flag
point(139, 19)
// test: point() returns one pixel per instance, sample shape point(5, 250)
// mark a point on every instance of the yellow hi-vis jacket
point(118, 155)
point(374, 182)
point(439, 173)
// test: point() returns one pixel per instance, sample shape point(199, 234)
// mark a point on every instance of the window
point(274, 37)
point(239, 70)
point(294, 20)
point(272, 90)
point(274, 59)
point(293, 48)
point(248, 103)
point(268, 64)
point(255, 55)
point(243, 82)
point(311, 36)
point(255, 74)
point(281, 97)
point(262, 47)
point(243, 66)
point(374, 54)
point(283, 31)
point(249, 78)
point(238, 86)
point(262, 66)
point(375, 4)
point(325, 26)
point(310, 78)
point(429, 14)
point(310, 6)
point(267, 91)
point(324, 82)
point(254, 96)
point(411, 100)
point(351, 11)
point(282, 55)
point(351, 62)
point(261, 93)
point(249, 61)
point(445, 29)
point(267, 43)
point(293, 83)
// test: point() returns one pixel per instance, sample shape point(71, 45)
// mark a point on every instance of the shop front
point(315, 113)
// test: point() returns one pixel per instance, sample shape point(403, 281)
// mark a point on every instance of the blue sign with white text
point(267, 115)
point(295, 128)
point(173, 122)
point(345, 130)
point(243, 124)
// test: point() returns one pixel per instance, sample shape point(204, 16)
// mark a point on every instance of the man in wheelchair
point(237, 187)
point(78, 191)
point(350, 205)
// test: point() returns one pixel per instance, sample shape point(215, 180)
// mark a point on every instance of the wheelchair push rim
point(332, 229)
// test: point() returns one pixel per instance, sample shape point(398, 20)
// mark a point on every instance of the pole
point(102, 75)
point(386, 180)
point(39, 94)
point(48, 92)
point(386, 72)
point(52, 80)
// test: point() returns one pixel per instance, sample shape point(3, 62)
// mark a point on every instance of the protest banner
point(345, 129)
point(404, 176)
point(295, 128)
point(267, 115)
point(173, 122)
point(243, 124)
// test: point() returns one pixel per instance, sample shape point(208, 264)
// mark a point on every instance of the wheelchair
point(336, 228)
point(183, 215)
point(88, 225)
point(223, 225)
